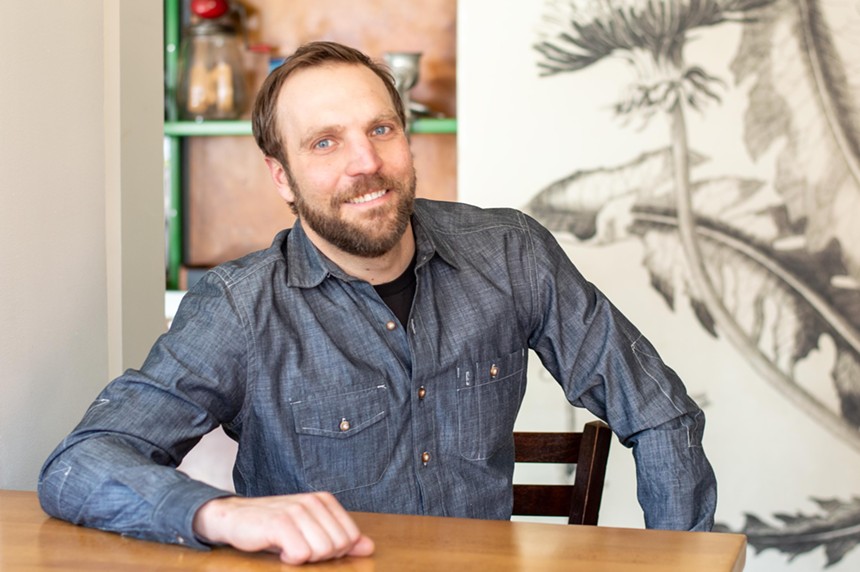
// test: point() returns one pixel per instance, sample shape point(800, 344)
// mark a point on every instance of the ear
point(279, 176)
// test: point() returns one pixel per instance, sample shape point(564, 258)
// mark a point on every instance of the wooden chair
point(579, 502)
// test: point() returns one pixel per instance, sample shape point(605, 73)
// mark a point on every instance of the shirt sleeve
point(117, 469)
point(607, 366)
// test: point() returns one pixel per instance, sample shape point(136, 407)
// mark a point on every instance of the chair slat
point(542, 500)
point(580, 502)
point(547, 447)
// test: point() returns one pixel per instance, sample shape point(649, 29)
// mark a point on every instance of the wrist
point(208, 518)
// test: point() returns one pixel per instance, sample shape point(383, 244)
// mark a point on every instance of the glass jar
point(211, 75)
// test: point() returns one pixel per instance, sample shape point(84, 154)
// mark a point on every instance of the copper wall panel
point(232, 206)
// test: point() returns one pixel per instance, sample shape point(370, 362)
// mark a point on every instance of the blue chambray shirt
point(312, 374)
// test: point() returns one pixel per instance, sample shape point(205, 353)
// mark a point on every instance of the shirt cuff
point(175, 513)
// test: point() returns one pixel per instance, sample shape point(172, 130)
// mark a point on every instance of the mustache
point(366, 184)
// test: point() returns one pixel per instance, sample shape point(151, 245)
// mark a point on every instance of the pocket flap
point(341, 416)
point(495, 369)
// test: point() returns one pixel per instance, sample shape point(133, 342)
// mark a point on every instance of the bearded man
point(372, 359)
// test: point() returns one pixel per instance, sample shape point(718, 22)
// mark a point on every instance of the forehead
point(332, 94)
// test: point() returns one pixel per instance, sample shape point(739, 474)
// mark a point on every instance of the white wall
point(81, 212)
point(547, 129)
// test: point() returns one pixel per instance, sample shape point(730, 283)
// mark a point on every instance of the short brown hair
point(264, 118)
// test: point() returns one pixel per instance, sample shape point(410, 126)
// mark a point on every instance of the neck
point(377, 270)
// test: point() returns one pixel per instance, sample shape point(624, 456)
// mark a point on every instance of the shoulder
point(254, 265)
point(467, 226)
point(459, 218)
point(255, 262)
point(466, 235)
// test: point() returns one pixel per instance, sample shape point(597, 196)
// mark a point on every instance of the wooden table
point(32, 541)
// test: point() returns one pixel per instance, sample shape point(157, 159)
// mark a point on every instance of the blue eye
point(381, 130)
point(323, 144)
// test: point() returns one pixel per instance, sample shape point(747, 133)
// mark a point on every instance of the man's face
point(352, 178)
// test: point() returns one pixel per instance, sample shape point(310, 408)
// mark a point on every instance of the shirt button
point(390, 325)
point(494, 371)
point(425, 457)
point(422, 392)
point(344, 425)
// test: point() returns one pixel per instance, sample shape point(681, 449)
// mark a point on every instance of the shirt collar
point(307, 267)
point(429, 241)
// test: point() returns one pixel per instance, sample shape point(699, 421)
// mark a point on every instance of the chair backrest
point(580, 502)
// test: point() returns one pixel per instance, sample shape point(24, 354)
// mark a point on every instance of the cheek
point(321, 179)
point(399, 159)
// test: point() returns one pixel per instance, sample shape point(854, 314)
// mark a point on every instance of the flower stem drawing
point(772, 294)
point(650, 35)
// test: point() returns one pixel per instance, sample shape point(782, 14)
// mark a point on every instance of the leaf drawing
point(579, 34)
point(805, 98)
point(779, 312)
point(574, 203)
point(837, 530)
point(801, 68)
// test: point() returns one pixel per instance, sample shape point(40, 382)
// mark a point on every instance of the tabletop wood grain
point(32, 541)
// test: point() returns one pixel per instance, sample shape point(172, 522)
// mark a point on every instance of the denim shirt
point(324, 389)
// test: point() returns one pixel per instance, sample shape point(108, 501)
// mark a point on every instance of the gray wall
point(81, 212)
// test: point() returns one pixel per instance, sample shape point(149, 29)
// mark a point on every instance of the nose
point(364, 158)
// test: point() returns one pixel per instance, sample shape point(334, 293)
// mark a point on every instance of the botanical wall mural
point(728, 137)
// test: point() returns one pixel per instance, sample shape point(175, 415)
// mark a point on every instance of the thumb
point(364, 546)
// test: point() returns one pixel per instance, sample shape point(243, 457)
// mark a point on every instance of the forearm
point(105, 482)
point(676, 485)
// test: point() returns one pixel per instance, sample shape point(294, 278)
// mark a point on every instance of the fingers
point(300, 528)
point(340, 518)
point(322, 534)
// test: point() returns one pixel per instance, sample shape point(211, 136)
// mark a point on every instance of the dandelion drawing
point(651, 35)
point(775, 293)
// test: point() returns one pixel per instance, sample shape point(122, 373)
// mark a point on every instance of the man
point(373, 359)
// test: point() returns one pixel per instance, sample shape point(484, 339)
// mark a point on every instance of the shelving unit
point(175, 130)
point(172, 146)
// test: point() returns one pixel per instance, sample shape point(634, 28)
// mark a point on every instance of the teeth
point(367, 197)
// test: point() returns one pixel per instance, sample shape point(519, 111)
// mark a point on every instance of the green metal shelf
point(215, 128)
point(206, 128)
point(173, 147)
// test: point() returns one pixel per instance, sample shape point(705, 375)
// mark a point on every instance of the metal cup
point(404, 67)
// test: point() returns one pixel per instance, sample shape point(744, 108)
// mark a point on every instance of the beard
point(381, 229)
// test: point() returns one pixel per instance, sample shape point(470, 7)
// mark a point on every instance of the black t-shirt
point(398, 293)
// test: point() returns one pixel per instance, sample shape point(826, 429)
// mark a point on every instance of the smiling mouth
point(367, 198)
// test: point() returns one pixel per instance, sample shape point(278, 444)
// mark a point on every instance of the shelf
point(206, 128)
point(435, 126)
point(216, 128)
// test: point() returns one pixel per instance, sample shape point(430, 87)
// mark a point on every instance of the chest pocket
point(488, 400)
point(344, 440)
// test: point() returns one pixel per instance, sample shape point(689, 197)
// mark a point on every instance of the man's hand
point(300, 528)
